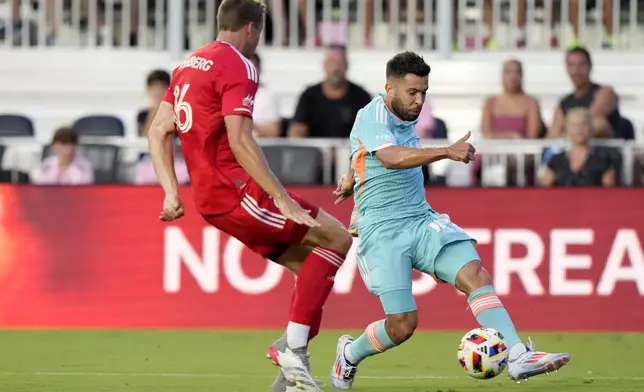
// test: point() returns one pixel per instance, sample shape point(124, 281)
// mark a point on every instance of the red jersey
point(214, 82)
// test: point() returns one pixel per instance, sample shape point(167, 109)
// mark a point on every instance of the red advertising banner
point(90, 257)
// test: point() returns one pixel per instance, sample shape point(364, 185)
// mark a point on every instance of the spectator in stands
point(607, 11)
point(157, 84)
point(328, 109)
point(513, 114)
point(601, 101)
point(488, 19)
point(582, 164)
point(145, 174)
point(65, 166)
point(426, 122)
point(266, 116)
point(51, 10)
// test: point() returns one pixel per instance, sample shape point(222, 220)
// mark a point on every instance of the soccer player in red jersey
point(210, 105)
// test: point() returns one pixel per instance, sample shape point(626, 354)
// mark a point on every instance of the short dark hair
point(407, 63)
point(255, 57)
point(65, 135)
point(158, 76)
point(340, 48)
point(515, 62)
point(235, 14)
point(582, 51)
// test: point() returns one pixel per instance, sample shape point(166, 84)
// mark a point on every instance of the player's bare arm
point(252, 159)
point(160, 142)
point(397, 157)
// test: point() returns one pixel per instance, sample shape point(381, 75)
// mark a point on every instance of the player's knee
point(472, 276)
point(331, 234)
point(338, 237)
point(401, 327)
point(343, 241)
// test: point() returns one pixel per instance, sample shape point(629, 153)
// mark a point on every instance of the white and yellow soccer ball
point(482, 353)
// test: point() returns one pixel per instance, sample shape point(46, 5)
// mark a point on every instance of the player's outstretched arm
point(398, 157)
point(161, 146)
point(252, 159)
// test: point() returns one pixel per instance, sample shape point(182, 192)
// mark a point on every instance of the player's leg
point(329, 243)
point(385, 266)
point(317, 257)
point(259, 224)
point(293, 260)
point(459, 264)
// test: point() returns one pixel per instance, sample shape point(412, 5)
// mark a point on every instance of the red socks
point(313, 286)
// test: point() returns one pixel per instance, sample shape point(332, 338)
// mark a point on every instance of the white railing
point(515, 158)
point(428, 25)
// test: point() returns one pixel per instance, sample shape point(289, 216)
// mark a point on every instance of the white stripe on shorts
point(272, 214)
point(261, 214)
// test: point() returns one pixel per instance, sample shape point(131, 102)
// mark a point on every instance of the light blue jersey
point(398, 229)
point(382, 194)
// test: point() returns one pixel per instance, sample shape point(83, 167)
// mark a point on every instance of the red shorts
point(258, 223)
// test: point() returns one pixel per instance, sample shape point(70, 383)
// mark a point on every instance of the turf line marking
point(221, 375)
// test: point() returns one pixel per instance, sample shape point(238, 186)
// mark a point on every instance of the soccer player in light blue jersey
point(399, 231)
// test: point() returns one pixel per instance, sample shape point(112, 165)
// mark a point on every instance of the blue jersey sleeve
point(373, 131)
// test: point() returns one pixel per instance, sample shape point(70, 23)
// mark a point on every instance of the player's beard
point(402, 112)
point(335, 81)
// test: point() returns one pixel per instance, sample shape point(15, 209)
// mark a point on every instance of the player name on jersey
point(197, 62)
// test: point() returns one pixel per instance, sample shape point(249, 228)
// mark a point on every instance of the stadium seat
point(99, 126)
point(16, 125)
point(3, 173)
point(295, 165)
point(103, 157)
point(15, 177)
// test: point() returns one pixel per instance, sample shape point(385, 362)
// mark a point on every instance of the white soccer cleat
point(343, 373)
point(294, 368)
point(281, 384)
point(533, 363)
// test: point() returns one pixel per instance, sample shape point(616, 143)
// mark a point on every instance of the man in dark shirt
point(601, 101)
point(328, 109)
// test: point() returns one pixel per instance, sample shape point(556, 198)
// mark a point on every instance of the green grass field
point(200, 361)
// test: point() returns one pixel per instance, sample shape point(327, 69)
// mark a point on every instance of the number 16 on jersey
point(180, 105)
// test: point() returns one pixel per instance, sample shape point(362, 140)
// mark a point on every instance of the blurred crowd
point(315, 22)
point(327, 109)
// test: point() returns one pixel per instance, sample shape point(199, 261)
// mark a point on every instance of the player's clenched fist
point(344, 189)
point(462, 151)
point(293, 211)
point(172, 208)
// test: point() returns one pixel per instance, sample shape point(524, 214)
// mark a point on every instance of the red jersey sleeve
point(169, 96)
point(238, 92)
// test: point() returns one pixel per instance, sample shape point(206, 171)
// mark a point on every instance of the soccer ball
point(482, 353)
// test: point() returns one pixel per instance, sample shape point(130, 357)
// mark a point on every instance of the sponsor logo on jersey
point(382, 136)
point(249, 101)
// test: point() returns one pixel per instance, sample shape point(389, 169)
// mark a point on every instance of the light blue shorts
point(388, 252)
